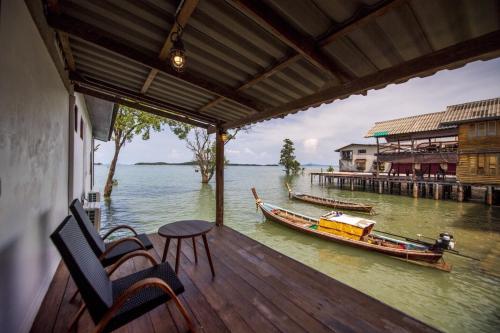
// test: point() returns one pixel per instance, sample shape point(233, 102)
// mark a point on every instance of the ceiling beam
point(66, 49)
point(360, 18)
point(183, 13)
point(91, 34)
point(364, 15)
point(133, 95)
point(271, 21)
point(138, 106)
point(480, 48)
point(257, 78)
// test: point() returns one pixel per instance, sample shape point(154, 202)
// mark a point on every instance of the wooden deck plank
point(256, 289)
point(204, 313)
point(321, 290)
point(264, 314)
point(224, 300)
point(46, 320)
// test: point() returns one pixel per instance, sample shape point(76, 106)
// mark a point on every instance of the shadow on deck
point(256, 289)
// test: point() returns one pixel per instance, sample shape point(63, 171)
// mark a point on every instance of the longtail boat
point(328, 202)
point(358, 232)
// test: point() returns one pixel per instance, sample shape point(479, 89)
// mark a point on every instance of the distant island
point(194, 163)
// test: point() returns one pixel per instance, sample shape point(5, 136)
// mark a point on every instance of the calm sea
point(465, 300)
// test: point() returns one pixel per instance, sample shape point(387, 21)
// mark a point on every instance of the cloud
point(311, 145)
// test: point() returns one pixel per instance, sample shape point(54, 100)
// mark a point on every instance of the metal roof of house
point(356, 145)
point(249, 61)
point(102, 117)
point(472, 111)
point(438, 121)
point(414, 124)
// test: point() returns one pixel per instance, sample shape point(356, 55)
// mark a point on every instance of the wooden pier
point(438, 189)
point(256, 289)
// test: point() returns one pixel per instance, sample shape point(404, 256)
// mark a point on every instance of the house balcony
point(434, 152)
point(256, 289)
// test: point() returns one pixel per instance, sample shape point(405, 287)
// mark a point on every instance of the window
point(76, 118)
point(347, 155)
point(361, 151)
point(473, 164)
point(481, 129)
point(492, 165)
point(492, 128)
point(472, 130)
point(360, 164)
point(81, 128)
point(480, 164)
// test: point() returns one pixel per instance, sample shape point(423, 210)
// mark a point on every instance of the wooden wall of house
point(468, 143)
point(473, 147)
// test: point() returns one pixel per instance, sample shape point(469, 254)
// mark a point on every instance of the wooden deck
point(256, 289)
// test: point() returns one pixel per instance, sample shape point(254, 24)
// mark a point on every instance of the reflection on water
point(465, 300)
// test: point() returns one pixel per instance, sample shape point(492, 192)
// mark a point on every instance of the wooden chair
point(112, 304)
point(108, 252)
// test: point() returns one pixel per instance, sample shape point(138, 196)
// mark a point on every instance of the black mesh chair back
point(93, 238)
point(84, 267)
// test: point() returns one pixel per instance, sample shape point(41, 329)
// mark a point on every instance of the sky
point(317, 132)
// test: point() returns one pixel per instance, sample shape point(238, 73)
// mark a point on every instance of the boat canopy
point(347, 219)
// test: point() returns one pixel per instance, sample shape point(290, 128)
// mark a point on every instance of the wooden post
point(352, 184)
point(380, 187)
point(489, 195)
point(415, 189)
point(436, 191)
point(377, 165)
point(219, 177)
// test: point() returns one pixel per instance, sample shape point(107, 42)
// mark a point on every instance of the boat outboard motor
point(444, 242)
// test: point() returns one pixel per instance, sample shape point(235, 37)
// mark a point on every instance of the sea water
point(464, 300)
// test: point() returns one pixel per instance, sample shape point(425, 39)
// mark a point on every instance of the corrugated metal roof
point(485, 109)
point(355, 145)
point(421, 123)
point(227, 47)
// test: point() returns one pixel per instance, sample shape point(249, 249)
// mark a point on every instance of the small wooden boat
point(328, 202)
point(354, 231)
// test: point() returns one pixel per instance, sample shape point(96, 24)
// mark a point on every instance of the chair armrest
point(120, 241)
point(138, 253)
point(134, 289)
point(118, 227)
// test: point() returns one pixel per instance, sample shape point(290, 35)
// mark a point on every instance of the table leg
point(178, 255)
point(165, 250)
point(195, 254)
point(208, 254)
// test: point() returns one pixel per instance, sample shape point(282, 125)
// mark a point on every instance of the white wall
point(81, 183)
point(34, 133)
point(369, 156)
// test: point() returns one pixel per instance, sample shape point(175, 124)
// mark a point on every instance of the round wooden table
point(186, 229)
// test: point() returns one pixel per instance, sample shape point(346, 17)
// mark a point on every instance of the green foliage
point(330, 169)
point(202, 145)
point(130, 122)
point(287, 157)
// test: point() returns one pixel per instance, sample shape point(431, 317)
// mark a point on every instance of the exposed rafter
point(267, 18)
point(133, 95)
point(66, 49)
point(139, 106)
point(103, 39)
point(362, 17)
point(257, 78)
point(183, 13)
point(486, 46)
